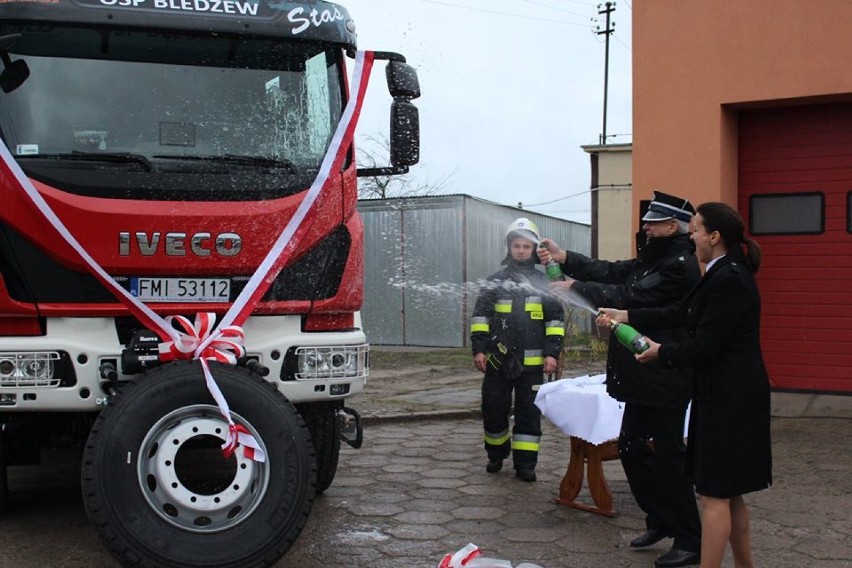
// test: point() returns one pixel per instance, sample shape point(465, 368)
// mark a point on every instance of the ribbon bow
point(227, 346)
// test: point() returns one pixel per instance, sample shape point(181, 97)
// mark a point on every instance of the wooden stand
point(590, 457)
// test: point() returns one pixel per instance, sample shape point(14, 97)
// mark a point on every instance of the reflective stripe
point(525, 442)
point(503, 306)
point(497, 439)
point(555, 327)
point(480, 323)
point(533, 304)
point(526, 446)
point(533, 357)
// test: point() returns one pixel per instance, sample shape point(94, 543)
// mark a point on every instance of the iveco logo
point(176, 244)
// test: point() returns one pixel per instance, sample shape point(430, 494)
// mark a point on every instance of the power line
point(557, 9)
point(556, 200)
point(627, 47)
point(519, 16)
point(581, 2)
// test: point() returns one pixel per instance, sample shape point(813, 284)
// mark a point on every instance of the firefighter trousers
point(523, 443)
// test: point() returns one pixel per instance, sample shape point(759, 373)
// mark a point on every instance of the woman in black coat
point(729, 444)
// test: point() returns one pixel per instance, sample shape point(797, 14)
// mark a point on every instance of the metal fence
point(425, 256)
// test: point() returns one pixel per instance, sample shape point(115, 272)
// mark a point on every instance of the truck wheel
point(4, 478)
point(324, 424)
point(158, 490)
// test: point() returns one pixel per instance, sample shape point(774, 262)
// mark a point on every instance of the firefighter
point(516, 333)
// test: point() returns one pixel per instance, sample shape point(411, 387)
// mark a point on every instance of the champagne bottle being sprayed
point(552, 268)
point(629, 337)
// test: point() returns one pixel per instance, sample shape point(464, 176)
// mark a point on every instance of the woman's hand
point(650, 354)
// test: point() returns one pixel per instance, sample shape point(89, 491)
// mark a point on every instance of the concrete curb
point(417, 416)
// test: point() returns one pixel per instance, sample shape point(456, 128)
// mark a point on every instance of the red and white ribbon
point(203, 335)
point(227, 348)
point(460, 558)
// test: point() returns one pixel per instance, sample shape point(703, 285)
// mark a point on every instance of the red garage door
point(795, 179)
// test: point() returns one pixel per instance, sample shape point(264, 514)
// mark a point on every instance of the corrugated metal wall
point(424, 255)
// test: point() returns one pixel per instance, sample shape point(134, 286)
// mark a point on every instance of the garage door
point(795, 179)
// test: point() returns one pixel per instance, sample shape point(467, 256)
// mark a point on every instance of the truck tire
point(324, 424)
point(4, 478)
point(161, 494)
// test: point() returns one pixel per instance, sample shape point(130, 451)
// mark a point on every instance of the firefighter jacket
point(665, 271)
point(516, 321)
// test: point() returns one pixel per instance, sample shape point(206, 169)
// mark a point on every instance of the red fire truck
point(156, 152)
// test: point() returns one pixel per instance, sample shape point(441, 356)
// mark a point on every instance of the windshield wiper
point(262, 161)
point(112, 157)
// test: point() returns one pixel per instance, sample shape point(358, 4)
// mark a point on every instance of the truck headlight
point(334, 362)
point(28, 369)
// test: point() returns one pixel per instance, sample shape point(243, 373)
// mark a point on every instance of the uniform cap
point(665, 206)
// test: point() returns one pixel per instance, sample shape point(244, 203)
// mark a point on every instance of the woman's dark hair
point(725, 219)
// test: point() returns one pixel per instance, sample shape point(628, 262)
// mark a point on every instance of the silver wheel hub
point(186, 479)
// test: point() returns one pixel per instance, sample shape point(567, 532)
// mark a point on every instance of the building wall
point(750, 103)
point(696, 63)
point(612, 198)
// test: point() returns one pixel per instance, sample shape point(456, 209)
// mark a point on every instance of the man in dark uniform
point(651, 439)
point(516, 334)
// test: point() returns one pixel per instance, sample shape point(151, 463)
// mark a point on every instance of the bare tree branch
point(383, 187)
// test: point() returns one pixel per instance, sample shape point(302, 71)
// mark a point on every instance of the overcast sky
point(510, 91)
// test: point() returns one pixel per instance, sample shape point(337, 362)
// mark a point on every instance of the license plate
point(181, 289)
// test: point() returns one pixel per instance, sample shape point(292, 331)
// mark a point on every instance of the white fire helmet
point(525, 228)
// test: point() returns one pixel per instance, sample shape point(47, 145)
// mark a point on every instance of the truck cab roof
point(309, 21)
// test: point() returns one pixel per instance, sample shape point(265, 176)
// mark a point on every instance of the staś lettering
point(315, 17)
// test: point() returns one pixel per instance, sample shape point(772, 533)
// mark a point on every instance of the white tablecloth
point(580, 407)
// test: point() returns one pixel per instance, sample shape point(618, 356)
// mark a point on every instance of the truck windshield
point(164, 103)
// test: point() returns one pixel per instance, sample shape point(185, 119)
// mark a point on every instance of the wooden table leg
point(590, 457)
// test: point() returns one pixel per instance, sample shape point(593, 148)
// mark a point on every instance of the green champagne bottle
point(629, 337)
point(552, 268)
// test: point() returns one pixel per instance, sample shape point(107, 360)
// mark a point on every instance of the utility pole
point(608, 9)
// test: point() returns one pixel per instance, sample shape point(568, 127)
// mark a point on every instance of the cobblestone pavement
point(417, 489)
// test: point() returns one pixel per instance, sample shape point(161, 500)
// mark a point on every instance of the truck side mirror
point(403, 86)
point(402, 80)
point(404, 134)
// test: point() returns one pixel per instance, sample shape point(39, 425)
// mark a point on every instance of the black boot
point(494, 465)
point(525, 474)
